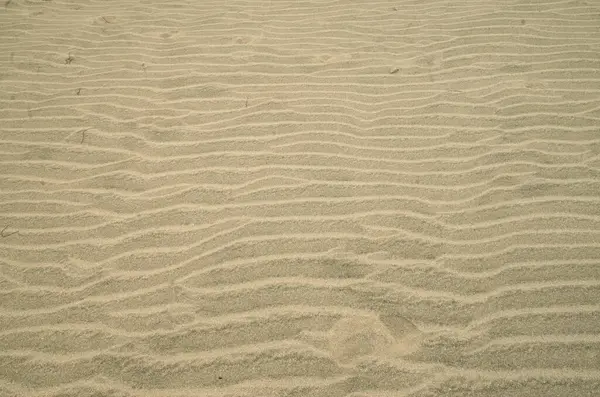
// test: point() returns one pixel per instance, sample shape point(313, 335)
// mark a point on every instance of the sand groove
point(318, 198)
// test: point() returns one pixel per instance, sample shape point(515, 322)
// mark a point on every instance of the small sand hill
point(352, 338)
point(299, 198)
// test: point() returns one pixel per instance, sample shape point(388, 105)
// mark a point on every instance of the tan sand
point(299, 198)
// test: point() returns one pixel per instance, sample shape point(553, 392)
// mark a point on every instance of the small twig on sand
point(7, 234)
point(77, 132)
point(246, 101)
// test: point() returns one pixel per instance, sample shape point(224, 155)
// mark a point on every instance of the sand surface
point(299, 198)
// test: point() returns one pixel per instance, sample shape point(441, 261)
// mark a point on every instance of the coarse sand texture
point(320, 198)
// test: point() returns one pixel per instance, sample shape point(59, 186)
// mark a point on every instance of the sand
point(299, 198)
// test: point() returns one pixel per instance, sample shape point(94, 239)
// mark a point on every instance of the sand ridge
point(315, 198)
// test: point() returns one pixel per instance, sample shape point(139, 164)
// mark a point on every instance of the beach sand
point(299, 198)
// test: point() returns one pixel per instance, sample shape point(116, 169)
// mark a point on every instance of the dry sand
point(299, 198)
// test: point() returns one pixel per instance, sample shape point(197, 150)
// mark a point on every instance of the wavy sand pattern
point(299, 198)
